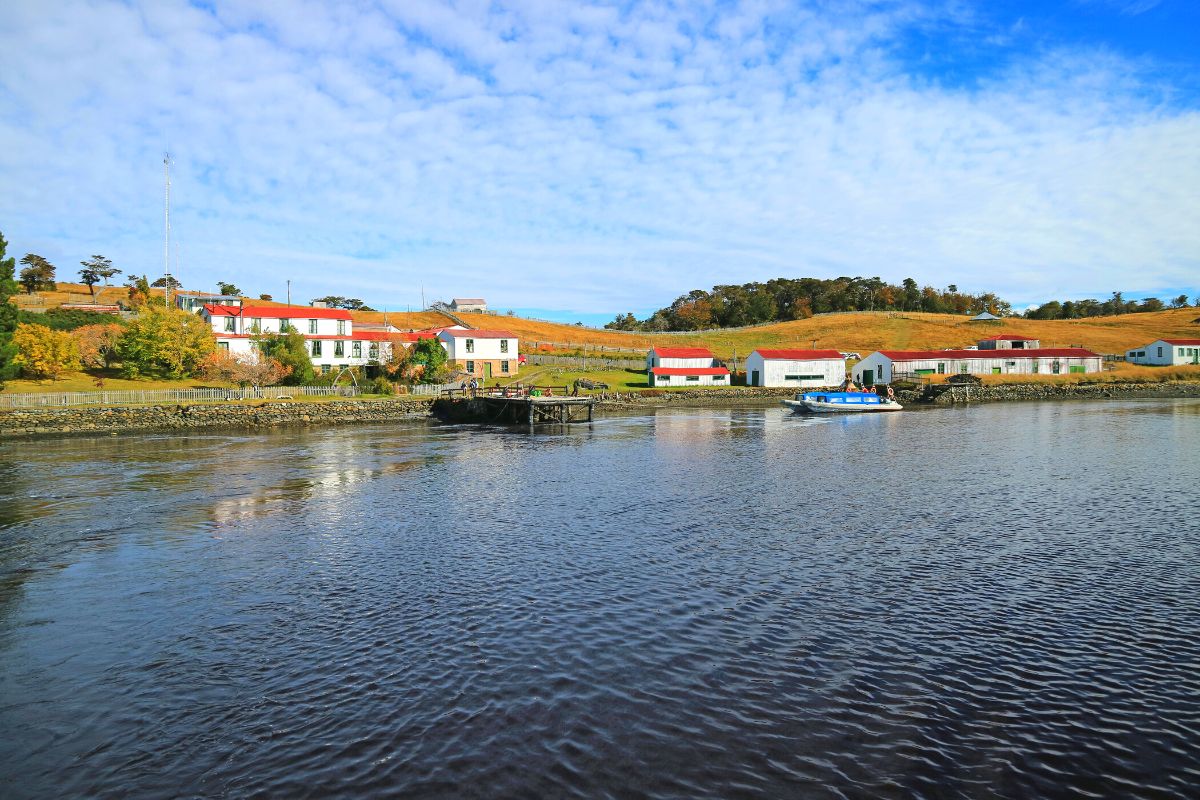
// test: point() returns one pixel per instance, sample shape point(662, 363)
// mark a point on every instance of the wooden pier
point(533, 405)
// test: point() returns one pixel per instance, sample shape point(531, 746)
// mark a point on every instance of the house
point(885, 366)
point(684, 366)
point(468, 304)
point(193, 302)
point(329, 333)
point(1009, 341)
point(1166, 352)
point(800, 368)
point(481, 353)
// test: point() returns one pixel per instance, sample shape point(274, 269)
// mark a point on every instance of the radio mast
point(167, 229)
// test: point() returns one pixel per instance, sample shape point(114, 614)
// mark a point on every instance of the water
point(1001, 601)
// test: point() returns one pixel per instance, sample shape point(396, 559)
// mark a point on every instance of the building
point(468, 304)
point(1166, 352)
point(328, 333)
point(1009, 341)
point(194, 302)
point(684, 366)
point(799, 368)
point(885, 366)
point(483, 354)
point(984, 316)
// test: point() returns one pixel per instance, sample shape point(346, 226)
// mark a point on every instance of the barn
point(800, 368)
point(885, 366)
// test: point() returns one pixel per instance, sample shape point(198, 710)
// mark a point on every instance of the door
point(868, 378)
point(487, 369)
point(754, 378)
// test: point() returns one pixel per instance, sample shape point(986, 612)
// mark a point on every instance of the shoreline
point(92, 420)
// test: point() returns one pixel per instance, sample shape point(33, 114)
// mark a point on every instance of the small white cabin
point(1166, 352)
point(684, 366)
point(800, 368)
point(468, 304)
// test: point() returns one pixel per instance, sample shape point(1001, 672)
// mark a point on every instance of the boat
point(841, 403)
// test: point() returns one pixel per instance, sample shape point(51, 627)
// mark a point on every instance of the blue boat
point(841, 403)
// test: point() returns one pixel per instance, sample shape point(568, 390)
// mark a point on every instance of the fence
point(587, 363)
point(135, 396)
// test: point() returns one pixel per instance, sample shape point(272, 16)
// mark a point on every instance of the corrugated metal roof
point(278, 312)
point(1041, 352)
point(465, 333)
point(689, 371)
point(1182, 341)
point(683, 352)
point(800, 355)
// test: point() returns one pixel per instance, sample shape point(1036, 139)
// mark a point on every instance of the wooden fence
point(123, 397)
point(587, 363)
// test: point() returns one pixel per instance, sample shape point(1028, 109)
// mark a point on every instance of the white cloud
point(588, 157)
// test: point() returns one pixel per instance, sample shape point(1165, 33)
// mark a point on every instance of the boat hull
point(818, 407)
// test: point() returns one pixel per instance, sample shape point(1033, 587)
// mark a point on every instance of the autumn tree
point(38, 274)
point(97, 269)
point(97, 344)
point(291, 350)
point(44, 353)
point(266, 297)
point(139, 292)
point(247, 369)
point(164, 342)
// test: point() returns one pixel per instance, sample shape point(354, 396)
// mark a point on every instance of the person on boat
point(848, 385)
point(891, 395)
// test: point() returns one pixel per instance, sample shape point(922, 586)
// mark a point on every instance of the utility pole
point(289, 291)
point(167, 229)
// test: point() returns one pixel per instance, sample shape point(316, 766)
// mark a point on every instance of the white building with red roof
point(328, 333)
point(884, 366)
point(684, 366)
point(1166, 352)
point(800, 368)
point(481, 353)
point(1009, 341)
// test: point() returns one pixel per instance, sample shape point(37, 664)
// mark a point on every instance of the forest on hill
point(786, 299)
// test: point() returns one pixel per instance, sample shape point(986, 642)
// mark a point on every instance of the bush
point(381, 385)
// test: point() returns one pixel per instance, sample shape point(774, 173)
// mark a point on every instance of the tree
point(44, 353)
point(266, 297)
point(348, 303)
point(38, 273)
point(429, 357)
point(165, 342)
point(290, 350)
point(166, 282)
point(8, 312)
point(97, 344)
point(139, 292)
point(626, 322)
point(228, 289)
point(1180, 302)
point(248, 369)
point(97, 269)
point(1151, 304)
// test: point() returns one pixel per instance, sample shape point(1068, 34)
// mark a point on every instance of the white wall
point(481, 350)
point(684, 380)
point(653, 360)
point(774, 372)
point(1160, 353)
point(1007, 364)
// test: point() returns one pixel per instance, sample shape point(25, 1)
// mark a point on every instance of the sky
point(579, 160)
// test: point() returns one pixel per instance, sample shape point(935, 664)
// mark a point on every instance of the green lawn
point(96, 380)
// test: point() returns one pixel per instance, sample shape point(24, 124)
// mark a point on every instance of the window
point(284, 326)
point(256, 325)
point(504, 346)
point(230, 324)
point(325, 369)
point(941, 368)
point(1078, 368)
point(1181, 351)
point(373, 350)
point(316, 349)
point(223, 345)
point(470, 365)
point(662, 379)
point(356, 349)
point(341, 327)
point(1035, 366)
point(693, 378)
point(312, 326)
point(719, 377)
point(504, 366)
point(339, 349)
point(964, 368)
point(470, 345)
point(1160, 352)
point(791, 377)
point(1010, 363)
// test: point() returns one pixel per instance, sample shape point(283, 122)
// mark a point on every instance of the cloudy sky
point(584, 159)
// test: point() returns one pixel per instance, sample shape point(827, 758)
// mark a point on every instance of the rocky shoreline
point(136, 419)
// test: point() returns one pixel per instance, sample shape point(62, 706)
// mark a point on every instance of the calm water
point(997, 601)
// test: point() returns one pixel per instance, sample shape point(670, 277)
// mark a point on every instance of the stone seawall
point(693, 398)
point(945, 395)
point(28, 422)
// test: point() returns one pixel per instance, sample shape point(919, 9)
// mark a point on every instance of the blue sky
point(587, 159)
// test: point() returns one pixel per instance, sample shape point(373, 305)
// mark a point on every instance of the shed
point(799, 368)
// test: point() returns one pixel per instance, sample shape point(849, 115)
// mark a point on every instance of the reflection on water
point(989, 601)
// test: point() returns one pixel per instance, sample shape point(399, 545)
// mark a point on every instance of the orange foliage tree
point(97, 344)
point(250, 369)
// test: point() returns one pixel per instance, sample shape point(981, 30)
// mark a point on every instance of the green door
point(754, 378)
point(487, 369)
point(868, 377)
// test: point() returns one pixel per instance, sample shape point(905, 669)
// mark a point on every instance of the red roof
point(683, 352)
point(1011, 337)
point(689, 371)
point(1041, 352)
point(374, 336)
point(478, 334)
point(1182, 341)
point(414, 336)
point(278, 312)
point(800, 355)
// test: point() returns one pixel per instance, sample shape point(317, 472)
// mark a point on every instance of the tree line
point(786, 299)
point(1117, 304)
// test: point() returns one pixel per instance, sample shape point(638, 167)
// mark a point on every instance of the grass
point(86, 382)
